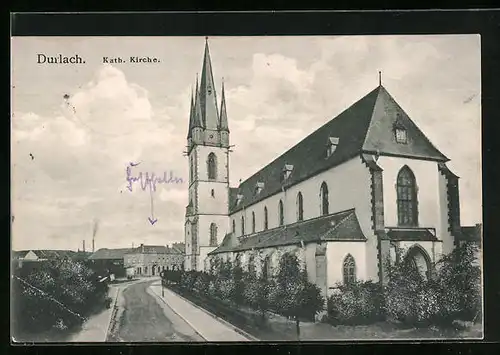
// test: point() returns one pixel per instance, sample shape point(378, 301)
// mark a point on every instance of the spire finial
point(379, 78)
point(206, 39)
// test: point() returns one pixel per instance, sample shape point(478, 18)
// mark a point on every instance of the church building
point(366, 187)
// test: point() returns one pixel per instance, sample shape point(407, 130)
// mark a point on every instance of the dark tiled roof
point(471, 233)
point(110, 254)
point(45, 253)
point(341, 226)
point(154, 249)
point(411, 234)
point(366, 126)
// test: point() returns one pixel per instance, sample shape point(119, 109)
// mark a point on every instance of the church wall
point(348, 186)
point(204, 222)
point(429, 193)
point(448, 240)
point(336, 252)
point(202, 155)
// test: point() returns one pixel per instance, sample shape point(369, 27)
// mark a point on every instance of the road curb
point(173, 310)
point(114, 310)
point(223, 321)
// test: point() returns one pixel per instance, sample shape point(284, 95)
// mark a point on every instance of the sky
point(75, 128)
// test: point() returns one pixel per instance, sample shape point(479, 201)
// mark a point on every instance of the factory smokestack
point(95, 227)
point(84, 245)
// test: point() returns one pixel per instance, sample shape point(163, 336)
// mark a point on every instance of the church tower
point(207, 218)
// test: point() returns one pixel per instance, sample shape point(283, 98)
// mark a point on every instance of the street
point(143, 320)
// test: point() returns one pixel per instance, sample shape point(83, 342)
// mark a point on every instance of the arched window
point(407, 198)
point(349, 270)
point(267, 267)
point(253, 222)
point(280, 213)
point(212, 193)
point(251, 264)
point(212, 166)
point(266, 224)
point(300, 207)
point(242, 225)
point(213, 235)
point(324, 199)
point(234, 226)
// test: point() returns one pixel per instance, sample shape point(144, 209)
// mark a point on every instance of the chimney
point(93, 245)
point(84, 245)
point(142, 248)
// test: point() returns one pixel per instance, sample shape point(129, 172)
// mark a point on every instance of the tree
point(459, 275)
point(298, 298)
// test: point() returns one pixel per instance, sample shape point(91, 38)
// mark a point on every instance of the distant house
point(20, 258)
point(109, 261)
point(150, 260)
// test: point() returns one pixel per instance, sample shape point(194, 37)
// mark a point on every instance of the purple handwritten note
point(146, 180)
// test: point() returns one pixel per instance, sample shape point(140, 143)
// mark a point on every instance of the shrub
point(257, 293)
point(59, 293)
point(459, 276)
point(357, 303)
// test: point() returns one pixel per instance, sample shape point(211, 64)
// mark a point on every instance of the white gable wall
point(431, 195)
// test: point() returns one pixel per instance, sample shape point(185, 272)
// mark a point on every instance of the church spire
point(223, 115)
point(208, 98)
point(191, 115)
point(197, 123)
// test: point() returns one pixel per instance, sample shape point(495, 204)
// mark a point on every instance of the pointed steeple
point(191, 115)
point(223, 126)
point(208, 97)
point(197, 108)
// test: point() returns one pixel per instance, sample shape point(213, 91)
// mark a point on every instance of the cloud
point(80, 156)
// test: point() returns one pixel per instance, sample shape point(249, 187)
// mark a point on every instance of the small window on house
point(324, 199)
point(239, 198)
point(349, 270)
point(212, 166)
point(401, 136)
point(258, 188)
point(287, 171)
point(213, 235)
point(234, 226)
point(242, 225)
point(212, 193)
point(280, 213)
point(332, 144)
point(266, 224)
point(300, 207)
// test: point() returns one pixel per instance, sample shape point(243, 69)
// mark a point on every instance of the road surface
point(143, 320)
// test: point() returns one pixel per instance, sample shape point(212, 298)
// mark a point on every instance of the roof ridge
point(312, 133)
point(379, 88)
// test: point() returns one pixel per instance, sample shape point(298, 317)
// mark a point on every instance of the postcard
point(246, 189)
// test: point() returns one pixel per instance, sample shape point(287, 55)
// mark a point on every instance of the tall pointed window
point(407, 198)
point(323, 195)
point(213, 235)
point(349, 270)
point(234, 226)
point(300, 207)
point(212, 166)
point(266, 224)
point(253, 222)
point(280, 213)
point(242, 225)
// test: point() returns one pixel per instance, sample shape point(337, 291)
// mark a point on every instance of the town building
point(150, 260)
point(362, 190)
point(109, 261)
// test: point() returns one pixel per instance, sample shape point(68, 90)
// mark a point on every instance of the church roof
point(341, 226)
point(412, 234)
point(365, 127)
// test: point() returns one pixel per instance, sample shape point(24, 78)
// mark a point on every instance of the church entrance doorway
point(420, 260)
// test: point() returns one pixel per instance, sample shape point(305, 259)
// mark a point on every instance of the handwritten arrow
point(152, 219)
